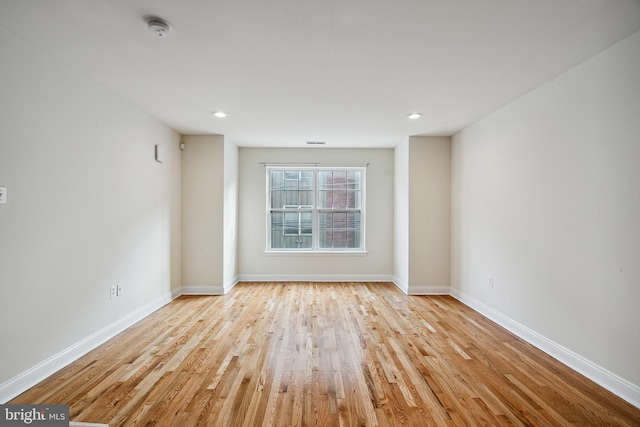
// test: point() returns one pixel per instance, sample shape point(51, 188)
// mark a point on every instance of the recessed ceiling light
point(414, 116)
point(220, 114)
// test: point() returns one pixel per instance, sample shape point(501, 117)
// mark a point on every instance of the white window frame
point(315, 249)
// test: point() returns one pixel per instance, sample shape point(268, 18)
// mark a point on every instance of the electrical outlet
point(120, 290)
point(114, 291)
point(490, 281)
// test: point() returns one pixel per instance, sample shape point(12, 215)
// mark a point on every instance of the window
point(315, 209)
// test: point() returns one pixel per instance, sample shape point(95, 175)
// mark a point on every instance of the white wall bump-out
point(422, 215)
point(230, 213)
point(429, 214)
point(401, 216)
point(203, 213)
point(210, 212)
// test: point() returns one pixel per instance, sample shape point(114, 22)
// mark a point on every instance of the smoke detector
point(159, 27)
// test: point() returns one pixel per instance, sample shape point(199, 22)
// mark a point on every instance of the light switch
point(3, 195)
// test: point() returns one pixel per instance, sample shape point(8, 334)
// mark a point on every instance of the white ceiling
point(342, 71)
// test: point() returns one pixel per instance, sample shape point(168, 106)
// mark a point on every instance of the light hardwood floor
point(325, 354)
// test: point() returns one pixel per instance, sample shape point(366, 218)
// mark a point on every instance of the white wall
point(88, 207)
point(429, 214)
point(209, 213)
point(546, 198)
point(203, 213)
point(254, 264)
point(230, 221)
point(401, 216)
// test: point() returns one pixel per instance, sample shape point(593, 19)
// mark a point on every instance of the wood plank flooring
point(324, 354)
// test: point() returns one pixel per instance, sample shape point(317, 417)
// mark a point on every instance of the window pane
point(339, 220)
point(325, 225)
point(339, 230)
point(277, 221)
point(291, 197)
point(276, 197)
point(354, 227)
point(277, 189)
point(291, 188)
point(354, 180)
point(352, 197)
point(276, 228)
point(291, 242)
point(291, 184)
point(325, 199)
point(306, 180)
point(339, 180)
point(291, 223)
point(324, 180)
point(325, 220)
point(305, 198)
point(326, 239)
point(306, 223)
point(290, 175)
point(277, 180)
point(353, 220)
point(339, 199)
point(304, 242)
point(339, 238)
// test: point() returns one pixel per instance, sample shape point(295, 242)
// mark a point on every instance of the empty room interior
point(307, 212)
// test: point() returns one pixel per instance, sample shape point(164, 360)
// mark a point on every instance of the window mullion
point(315, 220)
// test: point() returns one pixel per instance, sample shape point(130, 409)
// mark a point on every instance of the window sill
point(316, 253)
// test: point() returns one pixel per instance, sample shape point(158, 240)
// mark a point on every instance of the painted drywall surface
point(202, 211)
point(429, 213)
point(230, 243)
point(254, 263)
point(401, 216)
point(88, 207)
point(546, 199)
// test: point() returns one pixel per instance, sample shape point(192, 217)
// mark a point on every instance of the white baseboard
point(315, 278)
point(22, 382)
point(175, 293)
point(612, 382)
point(400, 284)
point(428, 290)
point(229, 285)
point(209, 289)
point(420, 290)
point(203, 290)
